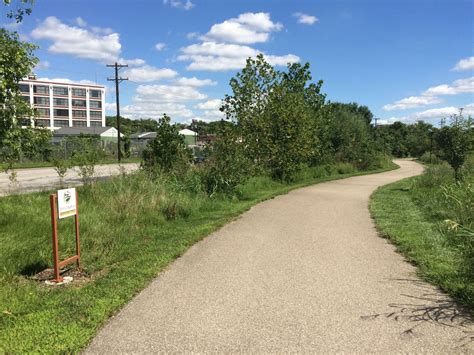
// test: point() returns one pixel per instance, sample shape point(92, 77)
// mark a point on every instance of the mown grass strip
point(411, 228)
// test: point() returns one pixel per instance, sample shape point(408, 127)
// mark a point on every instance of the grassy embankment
point(131, 229)
point(430, 219)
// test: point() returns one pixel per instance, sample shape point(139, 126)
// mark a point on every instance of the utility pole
point(117, 80)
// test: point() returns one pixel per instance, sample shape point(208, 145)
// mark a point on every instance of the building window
point(26, 99)
point(79, 123)
point(79, 114)
point(60, 91)
point(26, 122)
point(79, 92)
point(61, 113)
point(41, 89)
point(96, 115)
point(60, 102)
point(43, 101)
point(96, 124)
point(42, 123)
point(79, 103)
point(24, 88)
point(95, 94)
point(61, 123)
point(95, 104)
point(42, 112)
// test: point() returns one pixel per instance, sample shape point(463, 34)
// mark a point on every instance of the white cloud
point(77, 41)
point(156, 110)
point(44, 64)
point(160, 46)
point(192, 35)
point(168, 93)
point(194, 82)
point(69, 81)
point(181, 4)
point(213, 104)
point(132, 62)
point(464, 64)
point(432, 114)
point(12, 26)
point(149, 73)
point(411, 102)
point(431, 95)
point(459, 86)
point(214, 56)
point(110, 106)
point(247, 28)
point(305, 19)
point(80, 22)
point(153, 101)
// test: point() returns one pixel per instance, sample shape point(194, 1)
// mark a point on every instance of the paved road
point(37, 179)
point(304, 272)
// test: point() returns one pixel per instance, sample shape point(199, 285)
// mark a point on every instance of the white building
point(65, 104)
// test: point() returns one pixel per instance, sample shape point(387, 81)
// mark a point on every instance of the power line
point(117, 80)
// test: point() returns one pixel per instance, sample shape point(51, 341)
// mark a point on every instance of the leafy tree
point(456, 141)
point(274, 113)
point(23, 8)
point(16, 62)
point(167, 151)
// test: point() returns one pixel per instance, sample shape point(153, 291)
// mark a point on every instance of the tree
point(167, 151)
point(23, 8)
point(456, 141)
point(16, 62)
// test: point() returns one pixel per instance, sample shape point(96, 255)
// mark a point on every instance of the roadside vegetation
point(280, 133)
point(430, 218)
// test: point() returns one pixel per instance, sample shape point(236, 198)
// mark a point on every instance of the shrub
point(434, 176)
point(227, 166)
point(175, 208)
point(167, 152)
point(344, 168)
point(430, 158)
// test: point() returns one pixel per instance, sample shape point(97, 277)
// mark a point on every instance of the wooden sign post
point(66, 207)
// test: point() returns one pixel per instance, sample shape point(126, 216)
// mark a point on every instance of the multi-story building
point(64, 104)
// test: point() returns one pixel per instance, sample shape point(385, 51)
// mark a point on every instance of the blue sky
point(406, 60)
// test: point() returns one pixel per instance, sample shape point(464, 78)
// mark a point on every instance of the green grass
point(131, 228)
point(47, 164)
point(411, 213)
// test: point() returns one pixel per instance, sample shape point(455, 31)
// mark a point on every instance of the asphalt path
point(303, 272)
point(37, 179)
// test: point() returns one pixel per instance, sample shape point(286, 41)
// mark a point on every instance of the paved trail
point(37, 179)
point(304, 272)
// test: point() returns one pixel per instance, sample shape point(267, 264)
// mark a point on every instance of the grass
point(47, 164)
point(131, 228)
point(424, 217)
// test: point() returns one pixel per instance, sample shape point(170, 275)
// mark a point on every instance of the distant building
point(106, 134)
point(64, 104)
point(190, 137)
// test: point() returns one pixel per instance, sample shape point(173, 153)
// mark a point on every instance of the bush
point(428, 158)
point(227, 167)
point(434, 176)
point(344, 168)
point(167, 152)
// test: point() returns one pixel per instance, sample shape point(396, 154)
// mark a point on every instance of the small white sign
point(67, 203)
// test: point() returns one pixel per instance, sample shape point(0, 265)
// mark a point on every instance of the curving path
point(304, 272)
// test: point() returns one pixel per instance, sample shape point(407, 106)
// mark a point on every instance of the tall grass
point(431, 219)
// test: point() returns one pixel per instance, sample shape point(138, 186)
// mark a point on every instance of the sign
point(67, 203)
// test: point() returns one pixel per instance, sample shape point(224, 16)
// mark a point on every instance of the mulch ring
point(79, 277)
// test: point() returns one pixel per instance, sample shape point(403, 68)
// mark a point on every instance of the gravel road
point(303, 272)
point(37, 179)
